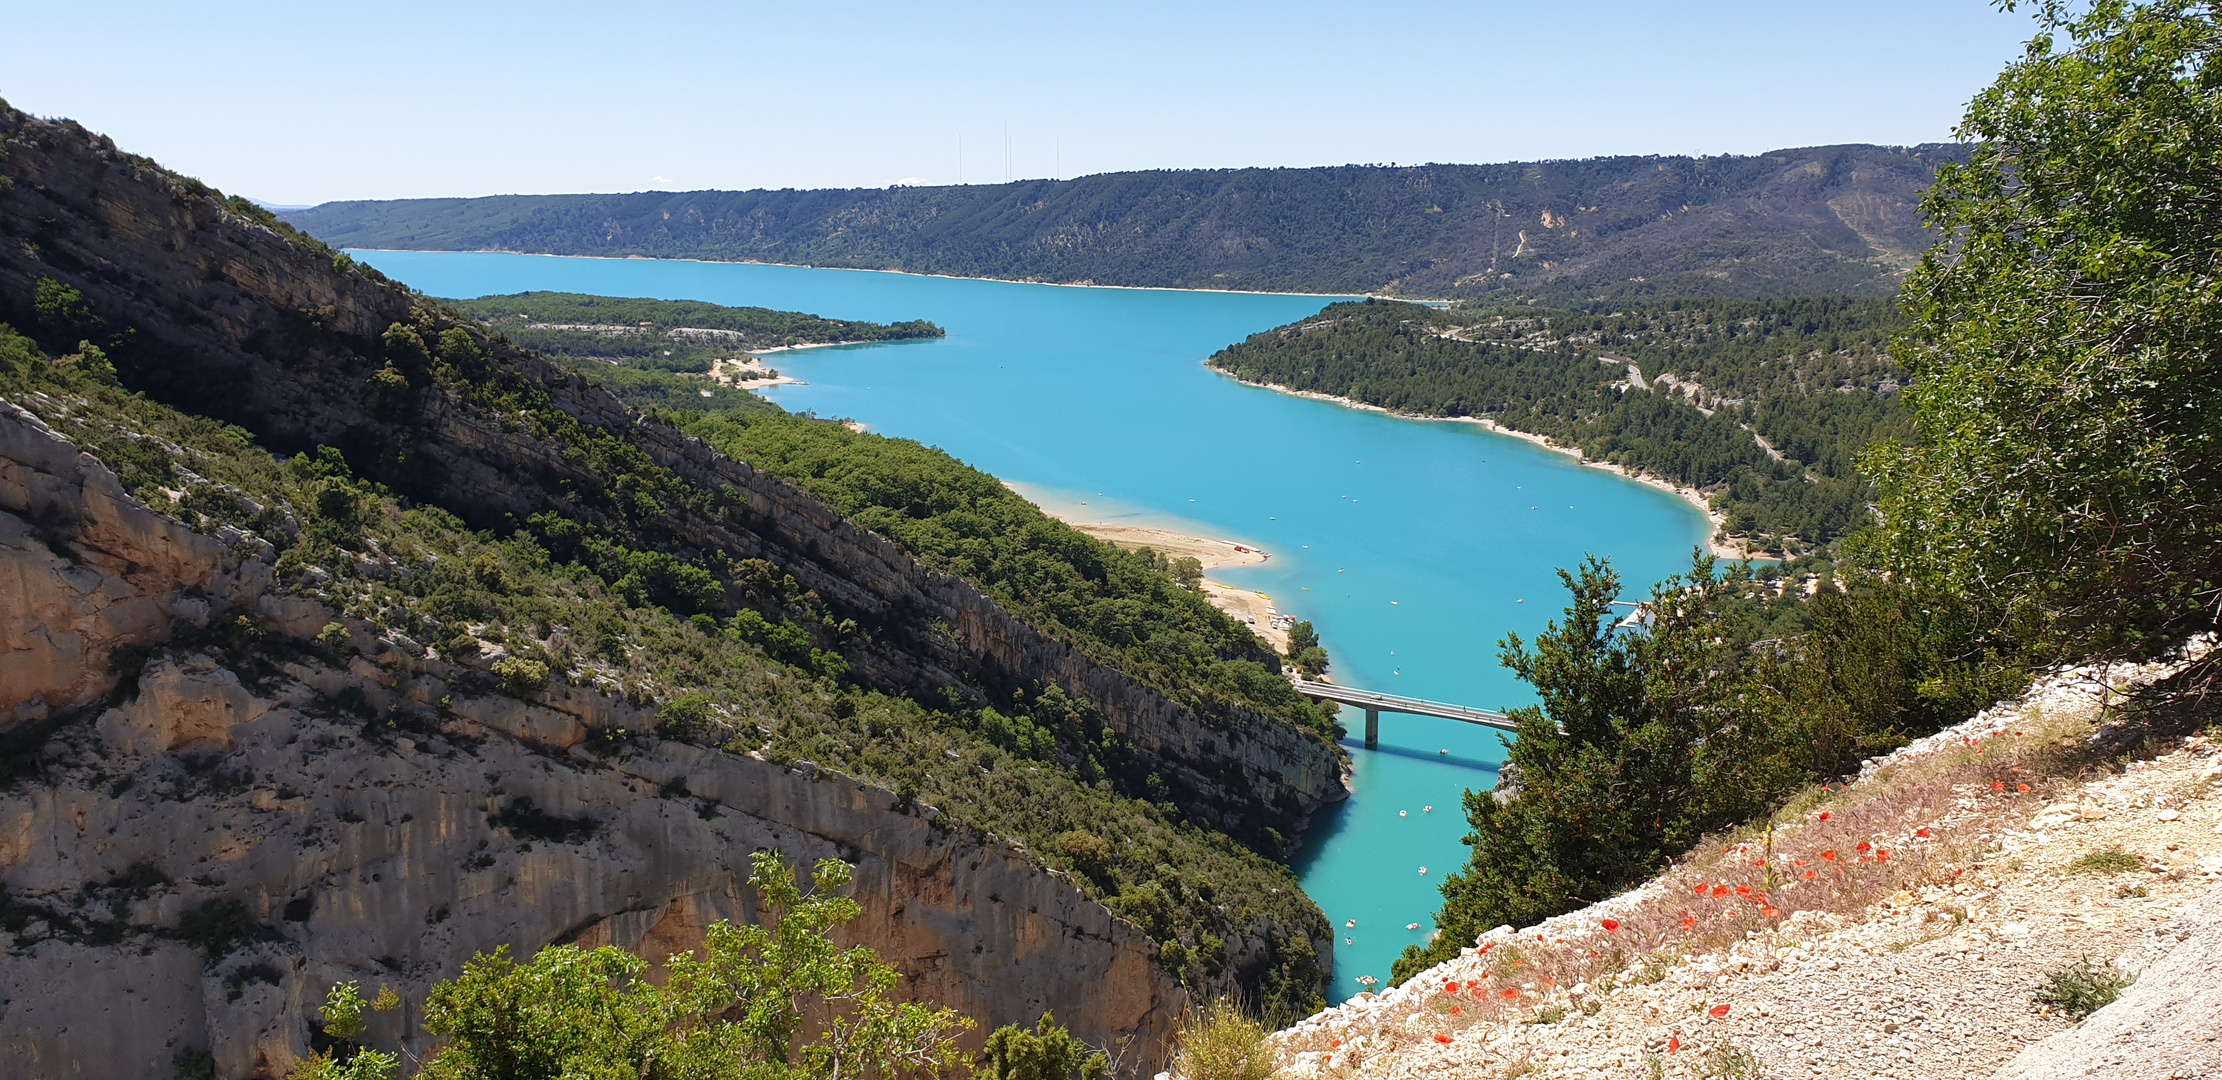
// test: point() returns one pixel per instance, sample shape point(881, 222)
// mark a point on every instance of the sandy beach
point(1719, 543)
point(747, 374)
point(1248, 606)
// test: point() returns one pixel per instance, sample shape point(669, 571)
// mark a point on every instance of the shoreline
point(1714, 542)
point(904, 273)
point(1245, 605)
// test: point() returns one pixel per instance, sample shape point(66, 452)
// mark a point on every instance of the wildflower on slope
point(1923, 833)
point(1673, 1044)
point(1824, 815)
point(1718, 1011)
point(1442, 1038)
point(1611, 925)
point(1689, 921)
point(1829, 855)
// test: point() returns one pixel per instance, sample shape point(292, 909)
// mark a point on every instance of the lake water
point(1414, 546)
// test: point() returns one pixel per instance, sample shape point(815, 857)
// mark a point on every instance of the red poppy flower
point(1473, 983)
point(1829, 855)
point(1702, 889)
point(1978, 751)
point(1883, 855)
point(1720, 890)
point(1508, 993)
point(1336, 1045)
point(1451, 987)
point(1688, 921)
point(2023, 788)
point(1922, 833)
point(1457, 1011)
point(1442, 1038)
point(1673, 1043)
point(1797, 863)
point(1718, 1011)
point(1824, 815)
point(1485, 949)
point(1769, 911)
point(1761, 864)
point(1865, 847)
point(1996, 786)
point(1611, 925)
point(1810, 874)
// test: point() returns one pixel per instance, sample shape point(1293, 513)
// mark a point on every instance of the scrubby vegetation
point(1765, 405)
point(779, 1001)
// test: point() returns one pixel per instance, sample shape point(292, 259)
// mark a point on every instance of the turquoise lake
point(1414, 546)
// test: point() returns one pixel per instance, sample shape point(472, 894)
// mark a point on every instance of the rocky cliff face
point(194, 852)
point(267, 330)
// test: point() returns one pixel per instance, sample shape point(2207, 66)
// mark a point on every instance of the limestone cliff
point(193, 852)
point(267, 329)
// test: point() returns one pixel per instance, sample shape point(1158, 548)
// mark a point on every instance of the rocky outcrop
point(266, 330)
point(2167, 1024)
point(210, 844)
point(85, 568)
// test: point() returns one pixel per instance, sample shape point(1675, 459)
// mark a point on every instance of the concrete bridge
point(1376, 703)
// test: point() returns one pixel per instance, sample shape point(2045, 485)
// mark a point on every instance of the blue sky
point(299, 103)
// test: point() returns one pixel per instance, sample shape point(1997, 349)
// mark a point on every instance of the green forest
point(1765, 405)
point(1794, 222)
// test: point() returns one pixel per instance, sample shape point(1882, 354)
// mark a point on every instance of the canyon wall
point(273, 332)
point(190, 854)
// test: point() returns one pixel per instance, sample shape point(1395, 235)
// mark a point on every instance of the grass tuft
point(2082, 988)
point(1220, 1042)
point(2110, 861)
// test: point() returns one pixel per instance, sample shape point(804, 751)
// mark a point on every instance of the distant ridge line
point(1829, 220)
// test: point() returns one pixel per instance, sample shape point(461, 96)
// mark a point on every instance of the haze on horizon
point(298, 104)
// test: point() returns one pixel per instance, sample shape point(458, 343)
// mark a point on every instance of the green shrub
point(193, 1064)
point(520, 676)
point(2110, 861)
point(334, 641)
point(1048, 1052)
point(2082, 988)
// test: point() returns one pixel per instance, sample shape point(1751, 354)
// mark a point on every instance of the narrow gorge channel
point(1414, 546)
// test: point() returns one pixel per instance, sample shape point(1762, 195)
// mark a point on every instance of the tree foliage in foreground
point(2064, 351)
point(778, 1001)
point(1647, 738)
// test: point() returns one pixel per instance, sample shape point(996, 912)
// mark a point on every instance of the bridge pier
point(1373, 729)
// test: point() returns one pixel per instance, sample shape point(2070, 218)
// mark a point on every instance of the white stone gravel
point(1930, 984)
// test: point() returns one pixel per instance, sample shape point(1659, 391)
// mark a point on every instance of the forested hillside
point(626, 342)
point(1816, 220)
point(1763, 404)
